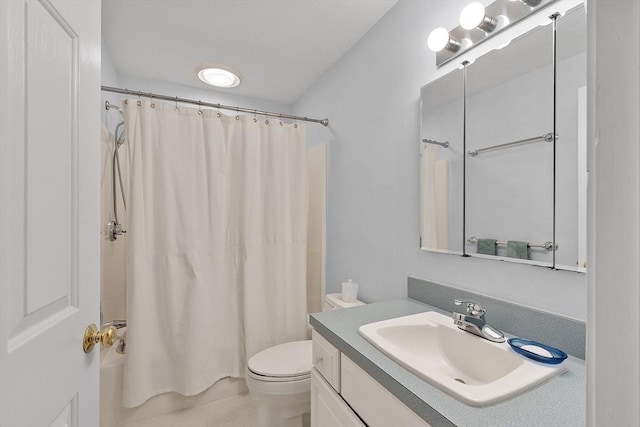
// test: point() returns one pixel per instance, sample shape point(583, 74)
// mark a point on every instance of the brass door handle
point(92, 336)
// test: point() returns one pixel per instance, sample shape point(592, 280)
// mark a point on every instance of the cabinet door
point(327, 407)
point(326, 359)
point(374, 403)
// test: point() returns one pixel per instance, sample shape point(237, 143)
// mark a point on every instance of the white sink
point(469, 368)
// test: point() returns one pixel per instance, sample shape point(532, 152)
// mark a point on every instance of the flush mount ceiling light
point(441, 39)
point(219, 75)
point(474, 16)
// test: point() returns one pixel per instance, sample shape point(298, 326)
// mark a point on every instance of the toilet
point(280, 377)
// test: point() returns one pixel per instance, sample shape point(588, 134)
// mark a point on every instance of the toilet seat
point(266, 378)
point(285, 362)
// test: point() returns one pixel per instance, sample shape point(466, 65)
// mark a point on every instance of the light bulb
point(473, 16)
point(438, 39)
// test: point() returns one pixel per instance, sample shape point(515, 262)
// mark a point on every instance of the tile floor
point(237, 411)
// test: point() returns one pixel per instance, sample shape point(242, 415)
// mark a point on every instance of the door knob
point(92, 336)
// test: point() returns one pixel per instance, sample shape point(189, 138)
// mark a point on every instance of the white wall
point(371, 96)
point(109, 78)
point(201, 92)
point(613, 328)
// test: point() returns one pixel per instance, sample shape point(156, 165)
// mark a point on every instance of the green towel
point(517, 249)
point(487, 246)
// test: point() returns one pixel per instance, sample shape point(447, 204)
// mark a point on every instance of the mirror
point(441, 164)
point(571, 150)
point(508, 117)
point(509, 168)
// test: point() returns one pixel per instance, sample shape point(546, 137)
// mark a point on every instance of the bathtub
point(113, 414)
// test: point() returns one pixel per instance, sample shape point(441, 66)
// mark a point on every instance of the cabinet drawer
point(326, 359)
point(327, 407)
point(371, 401)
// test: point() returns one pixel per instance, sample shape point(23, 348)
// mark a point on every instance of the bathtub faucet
point(122, 343)
point(118, 324)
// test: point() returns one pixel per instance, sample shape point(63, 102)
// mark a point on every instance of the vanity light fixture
point(219, 75)
point(441, 39)
point(474, 16)
point(478, 23)
point(530, 3)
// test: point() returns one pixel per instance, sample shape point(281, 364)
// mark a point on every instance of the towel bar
point(546, 245)
point(547, 137)
point(445, 144)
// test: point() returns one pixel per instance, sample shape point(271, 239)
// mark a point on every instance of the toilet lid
point(285, 360)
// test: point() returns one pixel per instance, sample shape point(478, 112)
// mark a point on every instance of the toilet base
point(292, 411)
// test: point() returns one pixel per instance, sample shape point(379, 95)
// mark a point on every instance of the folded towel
point(487, 246)
point(517, 249)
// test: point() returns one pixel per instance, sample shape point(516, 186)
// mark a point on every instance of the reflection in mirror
point(509, 193)
point(441, 173)
point(571, 150)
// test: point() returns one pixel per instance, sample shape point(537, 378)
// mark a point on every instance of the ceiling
point(281, 47)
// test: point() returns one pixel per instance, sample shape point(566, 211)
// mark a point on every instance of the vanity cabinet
point(342, 394)
point(374, 403)
point(326, 359)
point(327, 407)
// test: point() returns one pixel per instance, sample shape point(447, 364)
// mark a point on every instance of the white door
point(49, 210)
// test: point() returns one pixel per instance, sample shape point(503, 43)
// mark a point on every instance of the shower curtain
point(434, 227)
point(216, 245)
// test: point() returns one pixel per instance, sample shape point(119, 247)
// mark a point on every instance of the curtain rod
point(323, 122)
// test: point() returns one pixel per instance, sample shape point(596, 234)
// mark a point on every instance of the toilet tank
point(335, 302)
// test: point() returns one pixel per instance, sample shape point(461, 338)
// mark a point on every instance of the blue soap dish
point(536, 351)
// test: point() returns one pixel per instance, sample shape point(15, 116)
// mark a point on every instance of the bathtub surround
point(316, 232)
point(113, 257)
point(217, 245)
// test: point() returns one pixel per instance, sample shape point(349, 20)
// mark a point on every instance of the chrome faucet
point(122, 343)
point(473, 321)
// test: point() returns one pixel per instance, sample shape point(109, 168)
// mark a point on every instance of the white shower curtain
point(217, 245)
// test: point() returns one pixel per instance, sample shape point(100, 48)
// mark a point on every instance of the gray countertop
point(560, 401)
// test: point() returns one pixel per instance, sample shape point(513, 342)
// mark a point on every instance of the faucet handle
point(473, 308)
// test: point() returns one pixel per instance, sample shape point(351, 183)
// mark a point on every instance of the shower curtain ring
point(176, 107)
point(254, 116)
point(237, 116)
point(139, 101)
point(153, 104)
point(199, 107)
point(219, 114)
